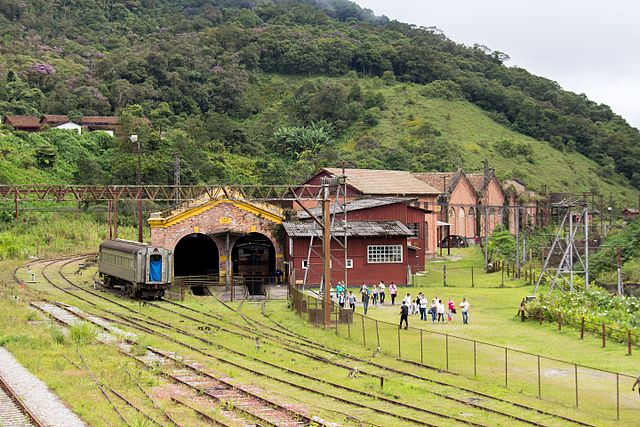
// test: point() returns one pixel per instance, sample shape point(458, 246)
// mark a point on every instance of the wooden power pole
point(326, 249)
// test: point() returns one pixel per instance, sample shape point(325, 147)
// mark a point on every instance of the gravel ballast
point(45, 405)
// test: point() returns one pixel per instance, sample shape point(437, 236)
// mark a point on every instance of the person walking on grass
point(452, 309)
point(404, 315)
point(393, 291)
point(433, 310)
point(374, 295)
point(364, 290)
point(637, 383)
point(423, 307)
point(341, 299)
point(381, 293)
point(440, 311)
point(464, 307)
point(365, 301)
point(352, 301)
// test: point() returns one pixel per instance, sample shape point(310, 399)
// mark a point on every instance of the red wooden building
point(386, 240)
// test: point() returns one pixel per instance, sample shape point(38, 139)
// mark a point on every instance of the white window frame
point(349, 263)
point(305, 264)
point(381, 254)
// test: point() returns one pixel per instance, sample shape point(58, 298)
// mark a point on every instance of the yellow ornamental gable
point(269, 212)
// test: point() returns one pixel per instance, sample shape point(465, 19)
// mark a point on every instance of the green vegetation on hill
point(232, 87)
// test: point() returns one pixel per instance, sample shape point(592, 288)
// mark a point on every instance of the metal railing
point(605, 393)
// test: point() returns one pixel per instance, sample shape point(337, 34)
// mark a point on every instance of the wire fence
point(499, 271)
point(602, 392)
point(607, 332)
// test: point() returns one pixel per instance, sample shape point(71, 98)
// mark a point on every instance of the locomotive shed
point(222, 240)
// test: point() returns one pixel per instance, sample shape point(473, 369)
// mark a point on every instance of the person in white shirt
point(381, 293)
point(464, 307)
point(393, 291)
point(407, 300)
point(440, 310)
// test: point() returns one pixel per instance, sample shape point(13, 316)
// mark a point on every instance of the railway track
point(294, 343)
point(291, 339)
point(14, 413)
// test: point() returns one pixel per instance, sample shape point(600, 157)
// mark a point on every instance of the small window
point(414, 228)
point(349, 263)
point(384, 254)
point(305, 264)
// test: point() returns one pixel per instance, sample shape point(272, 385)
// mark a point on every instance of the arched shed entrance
point(196, 255)
point(254, 258)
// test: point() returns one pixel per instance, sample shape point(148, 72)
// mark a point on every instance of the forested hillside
point(267, 91)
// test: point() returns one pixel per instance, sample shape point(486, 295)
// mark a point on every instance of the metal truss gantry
point(573, 229)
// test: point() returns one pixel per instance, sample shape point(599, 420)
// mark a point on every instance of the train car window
point(155, 268)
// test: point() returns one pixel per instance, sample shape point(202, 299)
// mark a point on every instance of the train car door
point(155, 268)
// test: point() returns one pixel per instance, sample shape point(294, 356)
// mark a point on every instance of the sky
point(588, 46)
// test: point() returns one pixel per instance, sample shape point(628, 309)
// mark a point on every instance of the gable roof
point(519, 188)
point(380, 181)
point(99, 120)
point(438, 180)
point(22, 122)
point(477, 180)
point(354, 229)
point(361, 204)
point(54, 119)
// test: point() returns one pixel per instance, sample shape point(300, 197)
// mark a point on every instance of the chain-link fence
point(605, 393)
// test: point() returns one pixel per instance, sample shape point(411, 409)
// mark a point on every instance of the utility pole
point(620, 285)
point(176, 176)
point(134, 139)
point(517, 242)
point(326, 249)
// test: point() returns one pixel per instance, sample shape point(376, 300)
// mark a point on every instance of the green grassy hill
point(474, 136)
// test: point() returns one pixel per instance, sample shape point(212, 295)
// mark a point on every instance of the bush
point(58, 336)
point(83, 333)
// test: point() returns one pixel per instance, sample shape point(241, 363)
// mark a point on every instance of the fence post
point(502, 278)
point(628, 342)
point(604, 336)
point(559, 321)
point(399, 352)
point(446, 351)
point(473, 283)
point(576, 373)
point(539, 380)
point(506, 367)
point(475, 359)
point(444, 275)
point(364, 336)
point(378, 334)
point(349, 325)
point(582, 328)
point(337, 320)
point(421, 349)
point(618, 396)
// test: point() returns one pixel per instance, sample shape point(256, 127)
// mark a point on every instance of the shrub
point(83, 333)
point(58, 336)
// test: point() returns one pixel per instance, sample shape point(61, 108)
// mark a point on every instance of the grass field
point(35, 342)
point(493, 325)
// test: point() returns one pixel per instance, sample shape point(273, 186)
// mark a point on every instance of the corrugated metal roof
point(354, 229)
point(379, 181)
point(359, 204)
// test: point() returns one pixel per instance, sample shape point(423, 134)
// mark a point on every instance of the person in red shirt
point(452, 309)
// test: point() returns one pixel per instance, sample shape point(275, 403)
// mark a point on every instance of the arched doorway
point(453, 220)
point(196, 255)
point(462, 223)
point(254, 258)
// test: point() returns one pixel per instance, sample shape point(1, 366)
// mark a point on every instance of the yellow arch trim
point(174, 219)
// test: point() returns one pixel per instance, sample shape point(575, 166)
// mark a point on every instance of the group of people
point(377, 295)
point(436, 309)
point(374, 295)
